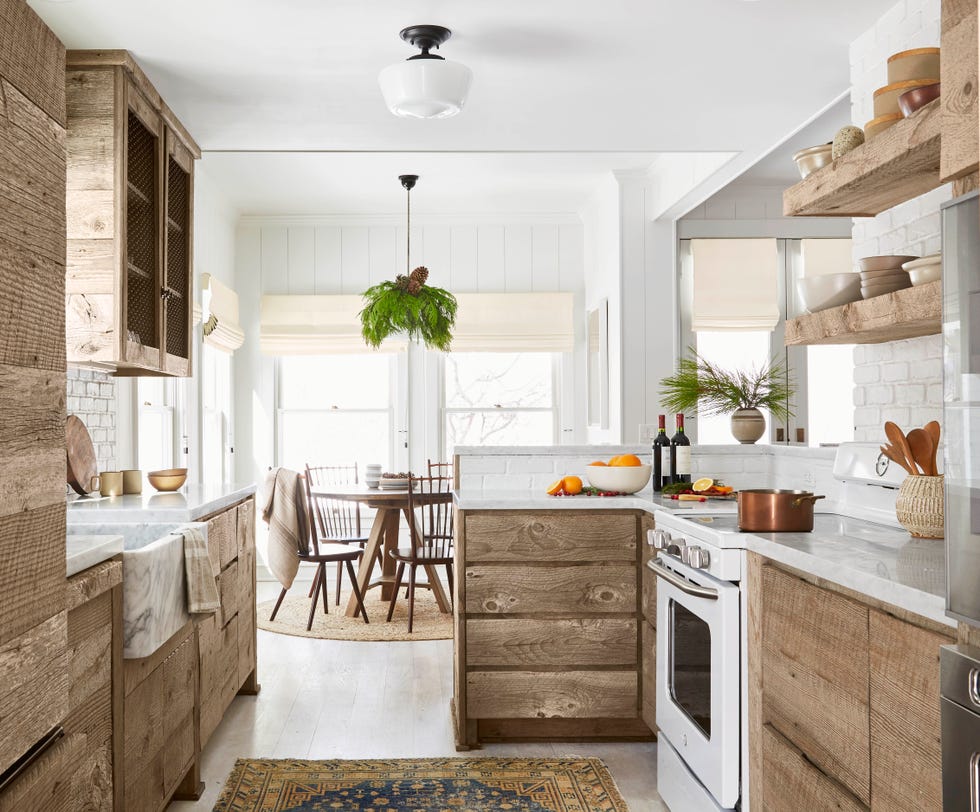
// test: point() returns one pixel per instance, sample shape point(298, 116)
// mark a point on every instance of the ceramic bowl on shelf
point(878, 125)
point(917, 63)
point(889, 262)
point(918, 98)
point(886, 98)
point(871, 291)
point(169, 479)
point(813, 158)
point(881, 276)
point(829, 290)
point(621, 478)
point(925, 270)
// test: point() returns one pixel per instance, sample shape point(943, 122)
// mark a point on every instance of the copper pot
point(766, 510)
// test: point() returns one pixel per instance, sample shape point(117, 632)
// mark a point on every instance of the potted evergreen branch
point(409, 306)
point(701, 386)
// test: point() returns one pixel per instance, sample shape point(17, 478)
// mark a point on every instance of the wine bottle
point(680, 454)
point(661, 456)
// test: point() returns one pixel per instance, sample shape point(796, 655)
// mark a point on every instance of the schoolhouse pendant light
point(425, 85)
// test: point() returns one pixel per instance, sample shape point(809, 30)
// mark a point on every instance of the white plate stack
point(880, 275)
point(372, 475)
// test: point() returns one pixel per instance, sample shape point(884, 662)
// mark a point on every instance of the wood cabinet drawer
point(542, 694)
point(586, 588)
point(648, 595)
point(534, 642)
point(550, 536)
point(89, 648)
point(790, 781)
point(46, 786)
point(906, 751)
point(648, 675)
point(219, 675)
point(223, 539)
point(34, 676)
point(815, 666)
point(245, 526)
point(229, 587)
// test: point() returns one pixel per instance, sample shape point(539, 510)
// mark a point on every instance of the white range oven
point(702, 697)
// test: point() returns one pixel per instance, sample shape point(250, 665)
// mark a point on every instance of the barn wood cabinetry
point(843, 698)
point(34, 627)
point(130, 210)
point(548, 626)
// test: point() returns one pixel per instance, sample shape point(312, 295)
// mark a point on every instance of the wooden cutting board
point(82, 464)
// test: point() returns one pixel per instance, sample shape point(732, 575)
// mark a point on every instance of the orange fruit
point(598, 462)
point(627, 460)
point(614, 460)
point(572, 485)
point(556, 488)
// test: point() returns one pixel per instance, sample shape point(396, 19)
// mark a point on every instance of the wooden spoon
point(890, 452)
point(897, 437)
point(923, 451)
point(933, 430)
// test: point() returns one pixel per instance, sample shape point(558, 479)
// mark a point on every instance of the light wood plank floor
point(336, 699)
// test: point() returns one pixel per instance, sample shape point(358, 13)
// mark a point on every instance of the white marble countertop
point(880, 561)
point(84, 551)
point(188, 504)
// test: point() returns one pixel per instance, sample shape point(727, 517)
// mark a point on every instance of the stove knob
point(658, 539)
point(696, 557)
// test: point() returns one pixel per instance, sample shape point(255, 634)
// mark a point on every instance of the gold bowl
point(169, 479)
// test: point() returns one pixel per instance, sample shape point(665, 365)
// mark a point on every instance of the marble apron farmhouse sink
point(154, 585)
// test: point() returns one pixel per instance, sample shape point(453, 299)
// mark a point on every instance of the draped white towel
point(284, 509)
point(202, 591)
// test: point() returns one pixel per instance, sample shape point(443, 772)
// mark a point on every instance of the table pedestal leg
point(388, 563)
point(367, 560)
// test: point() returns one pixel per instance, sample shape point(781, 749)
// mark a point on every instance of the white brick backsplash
point(899, 381)
point(91, 396)
point(486, 465)
point(471, 482)
point(531, 465)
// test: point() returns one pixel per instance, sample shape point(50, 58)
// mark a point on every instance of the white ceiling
point(625, 76)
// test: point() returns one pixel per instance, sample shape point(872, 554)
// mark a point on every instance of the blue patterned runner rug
point(421, 785)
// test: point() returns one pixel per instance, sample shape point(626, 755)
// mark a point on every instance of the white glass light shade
point(425, 88)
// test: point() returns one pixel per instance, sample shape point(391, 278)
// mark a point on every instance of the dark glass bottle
point(680, 454)
point(661, 456)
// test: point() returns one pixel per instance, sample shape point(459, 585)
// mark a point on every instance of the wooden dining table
point(390, 504)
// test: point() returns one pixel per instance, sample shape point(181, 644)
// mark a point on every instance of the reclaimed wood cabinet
point(130, 189)
point(648, 630)
point(548, 619)
point(843, 698)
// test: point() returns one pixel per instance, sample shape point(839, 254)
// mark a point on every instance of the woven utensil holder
point(919, 506)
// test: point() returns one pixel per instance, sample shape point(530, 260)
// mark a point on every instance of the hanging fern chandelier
point(407, 305)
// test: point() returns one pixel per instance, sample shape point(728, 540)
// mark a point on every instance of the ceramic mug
point(111, 483)
point(94, 483)
point(132, 481)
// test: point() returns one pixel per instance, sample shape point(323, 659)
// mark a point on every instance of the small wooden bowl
point(919, 97)
point(886, 98)
point(170, 479)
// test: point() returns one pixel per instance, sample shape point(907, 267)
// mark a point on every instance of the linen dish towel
point(284, 510)
point(202, 591)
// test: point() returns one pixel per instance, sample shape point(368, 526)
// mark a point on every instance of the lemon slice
point(702, 484)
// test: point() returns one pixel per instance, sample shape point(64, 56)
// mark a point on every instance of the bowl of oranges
point(624, 473)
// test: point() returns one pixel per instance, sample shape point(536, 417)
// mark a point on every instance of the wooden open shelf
point(900, 164)
point(903, 314)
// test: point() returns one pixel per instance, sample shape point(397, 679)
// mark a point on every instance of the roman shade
point(826, 256)
point(315, 325)
point(219, 314)
point(485, 322)
point(735, 285)
point(514, 322)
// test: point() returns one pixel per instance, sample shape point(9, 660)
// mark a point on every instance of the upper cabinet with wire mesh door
point(130, 221)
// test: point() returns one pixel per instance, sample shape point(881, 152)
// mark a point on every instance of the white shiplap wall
point(345, 254)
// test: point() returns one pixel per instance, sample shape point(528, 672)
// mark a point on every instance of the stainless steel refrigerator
point(960, 665)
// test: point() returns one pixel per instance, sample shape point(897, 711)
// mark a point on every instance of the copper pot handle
point(800, 500)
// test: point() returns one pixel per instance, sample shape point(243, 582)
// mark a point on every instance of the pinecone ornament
point(420, 274)
point(414, 286)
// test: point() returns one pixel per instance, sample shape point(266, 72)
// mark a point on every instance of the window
point(335, 410)
point(823, 406)
point(157, 400)
point(216, 408)
point(499, 399)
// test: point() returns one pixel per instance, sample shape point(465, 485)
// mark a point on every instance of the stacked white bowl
point(884, 274)
point(372, 475)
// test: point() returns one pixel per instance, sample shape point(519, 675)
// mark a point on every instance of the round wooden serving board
point(82, 464)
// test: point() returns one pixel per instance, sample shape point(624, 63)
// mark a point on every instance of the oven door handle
point(682, 584)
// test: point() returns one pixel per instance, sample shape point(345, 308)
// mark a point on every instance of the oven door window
point(689, 670)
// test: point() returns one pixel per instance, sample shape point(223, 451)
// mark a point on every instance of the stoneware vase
point(748, 425)
point(919, 506)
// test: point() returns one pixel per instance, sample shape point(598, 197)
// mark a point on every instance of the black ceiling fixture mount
point(425, 38)
point(408, 181)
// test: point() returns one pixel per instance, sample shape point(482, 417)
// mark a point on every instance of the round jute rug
point(429, 623)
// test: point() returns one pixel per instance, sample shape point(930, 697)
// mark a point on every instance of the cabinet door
point(906, 754)
point(140, 301)
point(177, 290)
point(815, 677)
